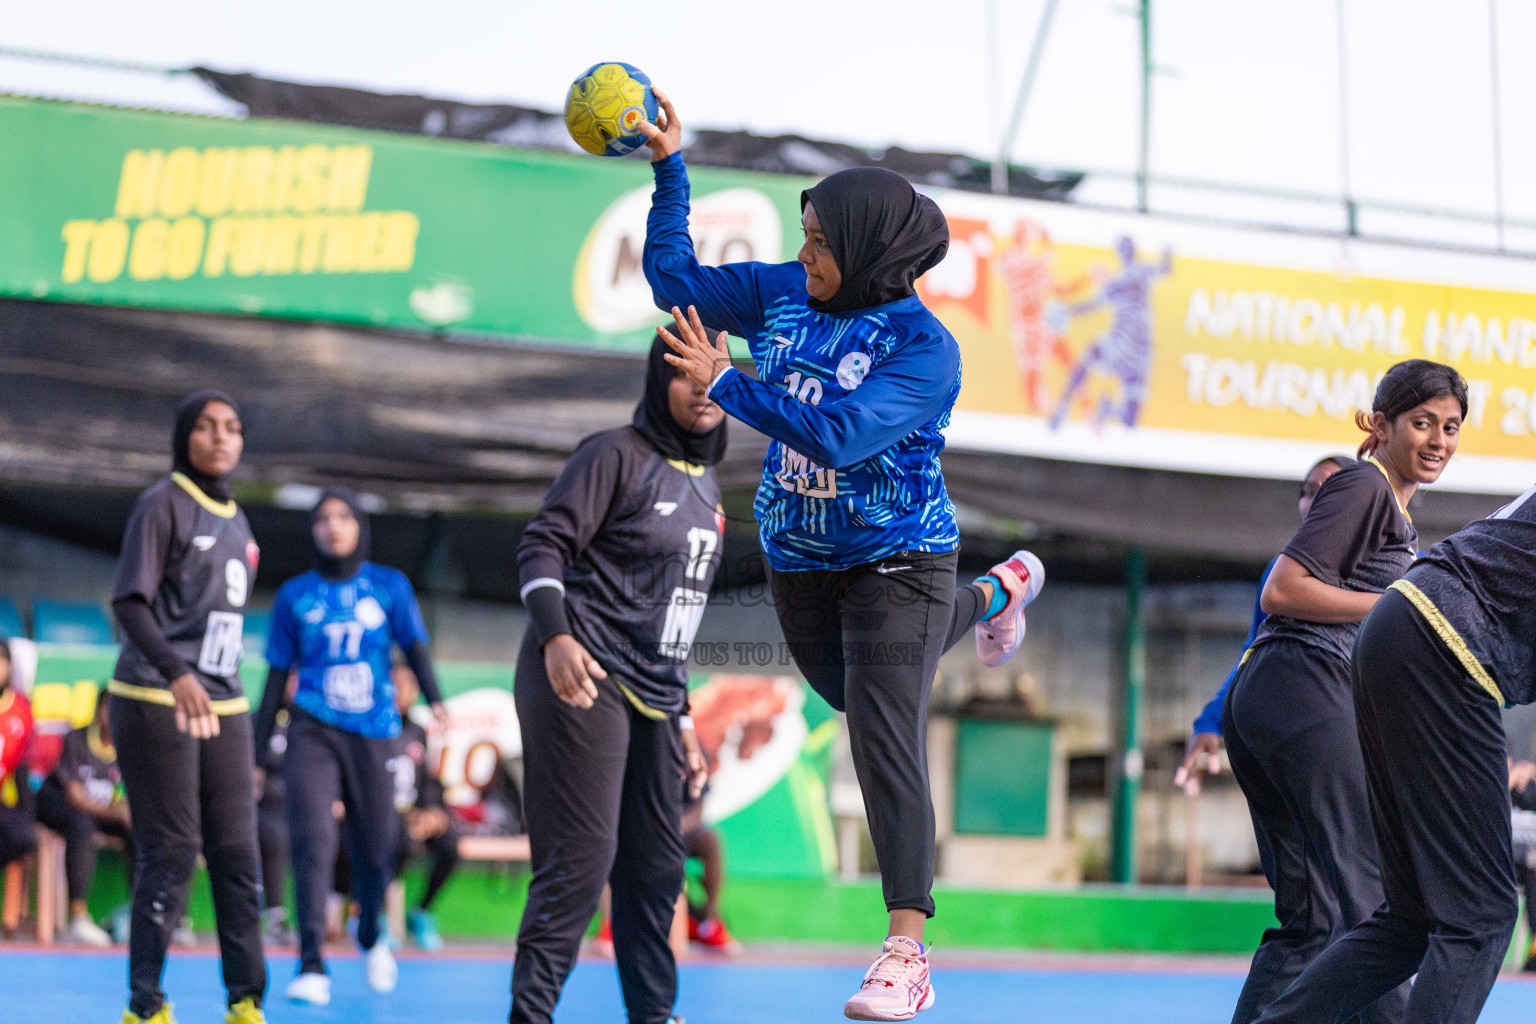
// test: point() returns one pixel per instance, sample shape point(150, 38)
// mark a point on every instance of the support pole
point(1128, 782)
point(1498, 127)
point(1144, 163)
point(1020, 101)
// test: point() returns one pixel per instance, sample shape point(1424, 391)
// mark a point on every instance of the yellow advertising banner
point(1143, 341)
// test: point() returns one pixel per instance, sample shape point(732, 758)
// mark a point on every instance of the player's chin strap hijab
point(882, 233)
point(654, 421)
point(191, 407)
point(327, 564)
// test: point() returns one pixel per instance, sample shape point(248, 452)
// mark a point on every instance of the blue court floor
point(38, 987)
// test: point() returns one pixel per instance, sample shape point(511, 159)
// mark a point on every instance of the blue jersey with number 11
point(339, 636)
point(856, 403)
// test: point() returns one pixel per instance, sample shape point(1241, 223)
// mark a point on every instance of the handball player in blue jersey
point(856, 380)
point(337, 626)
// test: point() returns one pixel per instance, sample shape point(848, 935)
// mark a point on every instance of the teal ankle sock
point(999, 596)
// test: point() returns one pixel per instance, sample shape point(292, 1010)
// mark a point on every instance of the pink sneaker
point(998, 637)
point(895, 986)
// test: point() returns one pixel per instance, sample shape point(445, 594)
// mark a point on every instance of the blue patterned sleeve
point(1209, 719)
point(282, 634)
point(729, 298)
point(901, 394)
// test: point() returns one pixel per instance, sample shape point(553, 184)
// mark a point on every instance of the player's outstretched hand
point(691, 350)
point(667, 137)
point(571, 671)
point(1204, 754)
point(194, 711)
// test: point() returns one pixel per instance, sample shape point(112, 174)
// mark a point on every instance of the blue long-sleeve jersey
point(1209, 719)
point(855, 403)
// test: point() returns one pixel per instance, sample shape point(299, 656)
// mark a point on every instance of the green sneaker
point(160, 1016)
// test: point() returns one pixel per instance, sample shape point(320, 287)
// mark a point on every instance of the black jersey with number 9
point(193, 559)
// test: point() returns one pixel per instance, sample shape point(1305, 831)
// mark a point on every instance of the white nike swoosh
point(782, 341)
point(203, 543)
point(883, 569)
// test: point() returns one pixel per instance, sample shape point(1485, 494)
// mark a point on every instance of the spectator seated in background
point(18, 838)
point(82, 798)
point(704, 923)
point(426, 825)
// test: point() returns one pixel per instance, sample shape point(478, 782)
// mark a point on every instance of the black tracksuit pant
point(189, 795)
point(603, 789)
point(1433, 744)
point(868, 639)
point(79, 829)
point(1289, 726)
point(276, 851)
point(324, 764)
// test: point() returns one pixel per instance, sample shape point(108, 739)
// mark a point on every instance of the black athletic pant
point(79, 829)
point(1433, 742)
point(18, 834)
point(603, 788)
point(188, 795)
point(868, 639)
point(443, 853)
point(1289, 726)
point(272, 834)
point(324, 764)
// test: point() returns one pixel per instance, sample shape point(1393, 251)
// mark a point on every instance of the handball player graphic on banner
point(1147, 342)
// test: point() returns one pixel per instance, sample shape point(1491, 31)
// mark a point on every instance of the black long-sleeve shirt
point(630, 540)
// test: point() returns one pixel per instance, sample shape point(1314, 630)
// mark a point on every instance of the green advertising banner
point(310, 222)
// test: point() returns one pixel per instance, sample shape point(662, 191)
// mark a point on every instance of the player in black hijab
point(615, 570)
point(179, 716)
point(883, 232)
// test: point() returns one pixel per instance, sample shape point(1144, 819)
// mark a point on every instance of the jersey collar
point(900, 305)
point(222, 509)
point(1400, 508)
point(686, 467)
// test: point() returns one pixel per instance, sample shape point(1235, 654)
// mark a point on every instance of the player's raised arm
point(729, 297)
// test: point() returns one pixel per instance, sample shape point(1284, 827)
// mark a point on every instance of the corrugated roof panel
point(175, 92)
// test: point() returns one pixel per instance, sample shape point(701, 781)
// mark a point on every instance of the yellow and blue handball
point(605, 106)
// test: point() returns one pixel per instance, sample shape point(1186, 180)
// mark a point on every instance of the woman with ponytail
point(1289, 719)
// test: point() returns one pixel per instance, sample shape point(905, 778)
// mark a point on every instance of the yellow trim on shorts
point(640, 706)
point(158, 695)
point(222, 509)
point(1448, 635)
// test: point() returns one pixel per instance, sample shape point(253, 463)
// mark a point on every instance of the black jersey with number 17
point(192, 558)
point(633, 538)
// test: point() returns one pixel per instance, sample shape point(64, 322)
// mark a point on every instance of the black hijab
point(882, 233)
point(328, 565)
point(187, 412)
point(654, 422)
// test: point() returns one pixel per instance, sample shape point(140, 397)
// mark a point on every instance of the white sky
point(1247, 92)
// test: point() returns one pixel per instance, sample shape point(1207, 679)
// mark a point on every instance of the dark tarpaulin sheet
point(87, 393)
point(511, 125)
